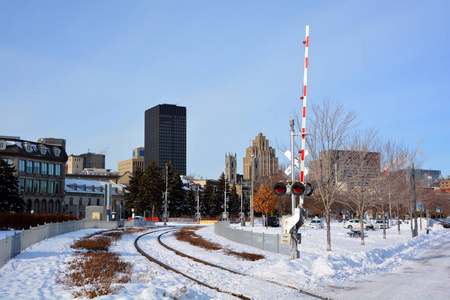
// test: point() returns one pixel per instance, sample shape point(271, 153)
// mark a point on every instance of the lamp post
point(165, 198)
point(198, 206)
point(252, 221)
point(225, 217)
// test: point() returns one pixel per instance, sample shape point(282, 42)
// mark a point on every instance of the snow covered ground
point(398, 267)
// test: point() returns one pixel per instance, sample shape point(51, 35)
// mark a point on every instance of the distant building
point(347, 168)
point(53, 142)
point(75, 164)
point(165, 136)
point(265, 162)
point(231, 168)
point(428, 174)
point(444, 185)
point(41, 173)
point(130, 165)
point(81, 193)
point(92, 160)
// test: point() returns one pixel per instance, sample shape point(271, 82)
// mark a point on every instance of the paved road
point(428, 277)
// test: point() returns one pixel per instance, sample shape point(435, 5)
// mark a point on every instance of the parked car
point(444, 222)
point(138, 218)
point(316, 223)
point(379, 224)
point(355, 224)
point(273, 222)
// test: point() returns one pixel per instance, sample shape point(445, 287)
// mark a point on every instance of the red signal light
point(297, 188)
point(279, 189)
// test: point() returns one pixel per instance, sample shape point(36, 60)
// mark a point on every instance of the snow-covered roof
point(75, 185)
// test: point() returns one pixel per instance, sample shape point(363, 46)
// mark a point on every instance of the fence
point(14, 244)
point(264, 241)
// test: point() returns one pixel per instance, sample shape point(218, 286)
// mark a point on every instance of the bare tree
point(362, 165)
point(394, 157)
point(328, 132)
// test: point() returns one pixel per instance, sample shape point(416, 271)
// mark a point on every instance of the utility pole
point(413, 179)
point(225, 216)
point(198, 206)
point(165, 197)
point(241, 215)
point(252, 221)
point(291, 122)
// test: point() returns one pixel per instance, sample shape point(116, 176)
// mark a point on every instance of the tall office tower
point(261, 158)
point(231, 168)
point(165, 136)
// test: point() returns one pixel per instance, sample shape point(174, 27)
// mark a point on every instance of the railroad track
point(285, 290)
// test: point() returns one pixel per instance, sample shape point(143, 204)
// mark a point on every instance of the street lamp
point(251, 196)
point(165, 198)
point(225, 216)
point(198, 205)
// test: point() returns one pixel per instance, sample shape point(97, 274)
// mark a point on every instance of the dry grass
point(93, 274)
point(245, 255)
point(97, 272)
point(187, 234)
point(94, 244)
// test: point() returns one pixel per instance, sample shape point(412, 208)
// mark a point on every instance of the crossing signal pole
point(292, 224)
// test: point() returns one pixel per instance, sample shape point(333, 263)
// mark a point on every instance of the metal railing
point(14, 244)
point(264, 241)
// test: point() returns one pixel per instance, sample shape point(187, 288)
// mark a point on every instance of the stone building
point(81, 193)
point(231, 168)
point(40, 169)
point(261, 157)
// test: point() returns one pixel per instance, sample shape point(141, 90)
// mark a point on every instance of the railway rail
point(290, 291)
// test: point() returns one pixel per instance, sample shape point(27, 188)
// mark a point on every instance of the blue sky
point(87, 70)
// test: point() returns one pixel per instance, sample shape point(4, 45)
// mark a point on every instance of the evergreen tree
point(176, 194)
point(152, 186)
point(221, 186)
point(234, 203)
point(210, 206)
point(191, 202)
point(10, 199)
point(132, 195)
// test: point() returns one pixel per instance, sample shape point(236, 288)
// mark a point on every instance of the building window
point(21, 166)
point(71, 201)
point(56, 151)
point(57, 187)
point(29, 187)
point(29, 166)
point(58, 170)
point(89, 201)
point(44, 169)
point(27, 147)
point(21, 185)
point(44, 186)
point(37, 168)
point(51, 169)
point(51, 187)
point(2, 145)
point(43, 149)
point(37, 186)
point(98, 202)
point(80, 201)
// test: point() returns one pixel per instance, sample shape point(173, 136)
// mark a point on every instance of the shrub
point(20, 221)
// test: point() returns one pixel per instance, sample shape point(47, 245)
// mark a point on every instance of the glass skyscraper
point(165, 136)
